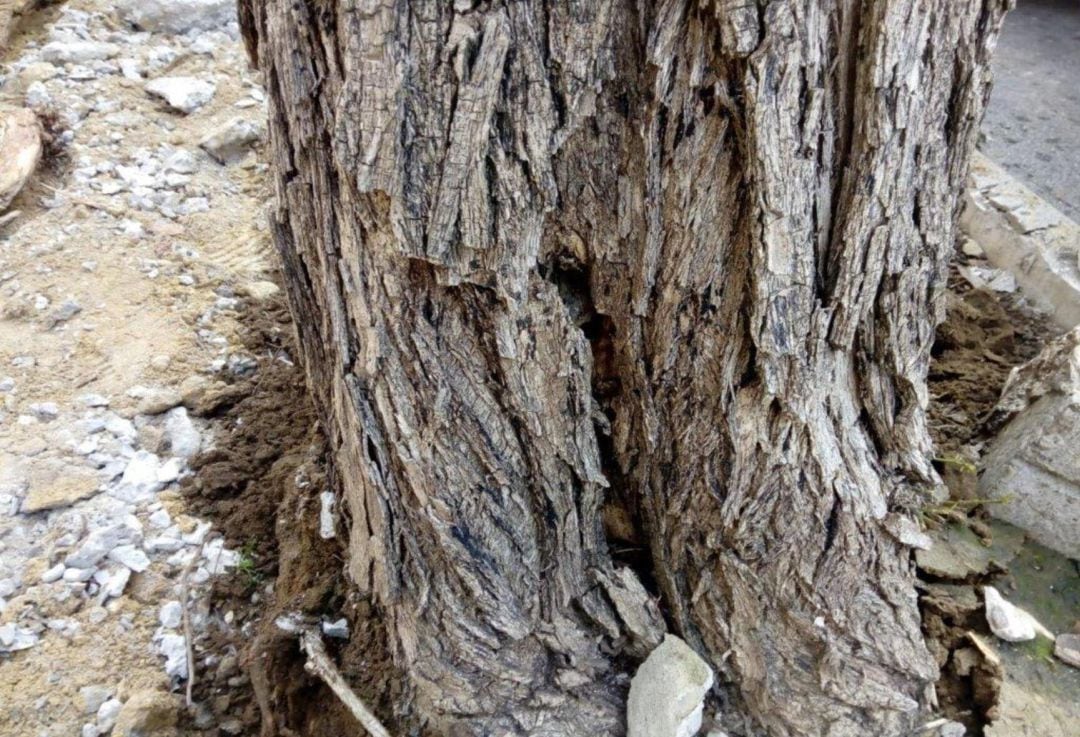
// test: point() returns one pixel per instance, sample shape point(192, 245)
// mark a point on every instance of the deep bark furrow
point(714, 229)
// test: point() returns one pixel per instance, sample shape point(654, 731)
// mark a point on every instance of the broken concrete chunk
point(1032, 464)
point(185, 94)
point(232, 141)
point(1008, 621)
point(668, 691)
point(20, 151)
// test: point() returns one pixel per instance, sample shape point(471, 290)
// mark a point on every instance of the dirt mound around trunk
point(261, 486)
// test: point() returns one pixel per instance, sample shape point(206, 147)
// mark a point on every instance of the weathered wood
point(680, 258)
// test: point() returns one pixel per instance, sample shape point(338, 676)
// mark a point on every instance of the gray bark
point(673, 265)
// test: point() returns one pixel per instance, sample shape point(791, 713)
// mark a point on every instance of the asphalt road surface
point(1032, 126)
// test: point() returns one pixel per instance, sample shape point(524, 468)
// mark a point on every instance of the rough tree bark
point(673, 266)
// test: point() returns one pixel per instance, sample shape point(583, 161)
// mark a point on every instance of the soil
point(260, 485)
point(985, 335)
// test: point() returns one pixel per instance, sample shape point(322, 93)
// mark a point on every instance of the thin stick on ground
point(319, 664)
point(186, 621)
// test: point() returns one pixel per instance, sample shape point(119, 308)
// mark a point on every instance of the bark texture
point(671, 264)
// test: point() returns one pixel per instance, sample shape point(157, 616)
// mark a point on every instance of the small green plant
point(957, 461)
point(957, 510)
point(246, 567)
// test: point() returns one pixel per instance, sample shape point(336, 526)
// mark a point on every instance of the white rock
point(45, 410)
point(163, 544)
point(107, 713)
point(181, 162)
point(131, 69)
point(14, 638)
point(93, 697)
point(232, 141)
point(118, 581)
point(90, 730)
point(219, 558)
point(141, 477)
point(667, 693)
point(339, 630)
point(952, 729)
point(160, 519)
point(186, 94)
point(1008, 621)
point(170, 470)
point(98, 544)
point(177, 16)
point(78, 575)
point(66, 52)
point(326, 515)
point(174, 648)
point(171, 614)
point(986, 277)
point(94, 400)
point(130, 556)
point(53, 574)
point(1067, 649)
point(198, 535)
point(184, 439)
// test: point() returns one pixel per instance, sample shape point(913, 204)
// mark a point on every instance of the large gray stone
point(667, 692)
point(20, 151)
point(177, 16)
point(1033, 463)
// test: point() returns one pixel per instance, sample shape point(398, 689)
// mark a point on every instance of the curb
point(1023, 234)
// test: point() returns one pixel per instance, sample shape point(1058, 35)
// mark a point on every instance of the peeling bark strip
point(678, 256)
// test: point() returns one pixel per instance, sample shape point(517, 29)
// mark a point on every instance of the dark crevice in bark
point(622, 518)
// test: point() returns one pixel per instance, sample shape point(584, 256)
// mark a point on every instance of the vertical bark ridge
point(692, 246)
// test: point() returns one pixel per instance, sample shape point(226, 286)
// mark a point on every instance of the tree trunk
point(673, 266)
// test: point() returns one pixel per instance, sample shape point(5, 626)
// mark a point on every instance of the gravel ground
point(134, 248)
